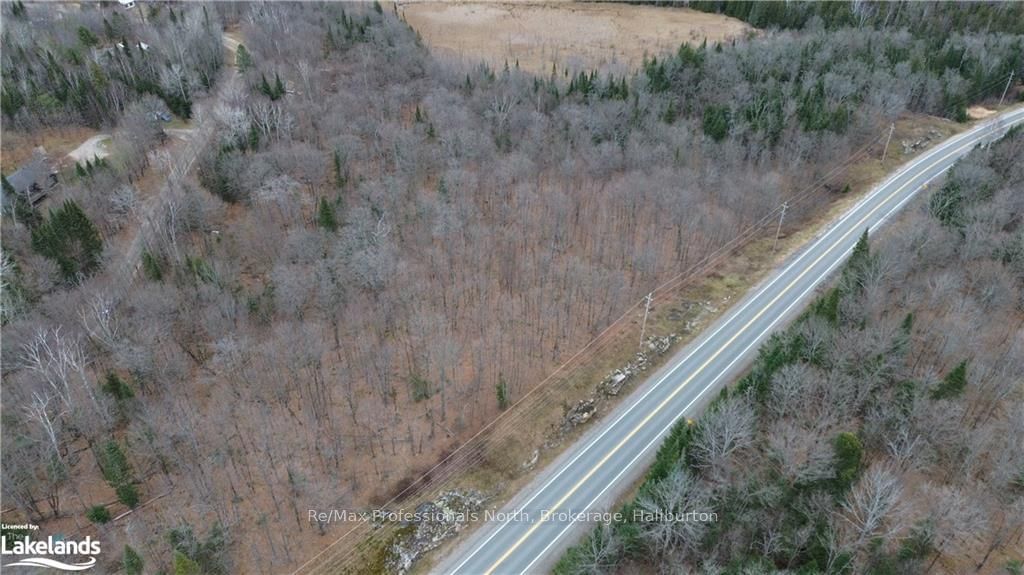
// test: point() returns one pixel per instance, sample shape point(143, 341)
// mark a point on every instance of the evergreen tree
point(207, 555)
point(200, 270)
point(657, 77)
point(670, 115)
point(127, 494)
point(848, 454)
point(862, 251)
point(265, 87)
point(326, 217)
point(86, 37)
point(185, 566)
point(716, 122)
point(98, 514)
point(69, 239)
point(420, 388)
point(243, 60)
point(254, 137)
point(954, 384)
point(857, 265)
point(278, 86)
point(329, 42)
point(113, 463)
point(117, 388)
point(339, 171)
point(827, 306)
point(908, 323)
point(502, 392)
point(121, 392)
point(948, 205)
point(152, 267)
point(118, 472)
point(133, 564)
point(11, 100)
point(180, 104)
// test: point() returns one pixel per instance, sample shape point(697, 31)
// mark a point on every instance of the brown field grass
point(17, 147)
point(574, 36)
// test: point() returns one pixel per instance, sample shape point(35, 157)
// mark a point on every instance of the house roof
point(22, 178)
point(35, 171)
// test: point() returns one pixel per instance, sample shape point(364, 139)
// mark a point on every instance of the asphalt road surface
point(588, 477)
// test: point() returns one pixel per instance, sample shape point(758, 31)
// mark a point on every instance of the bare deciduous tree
point(724, 430)
point(872, 507)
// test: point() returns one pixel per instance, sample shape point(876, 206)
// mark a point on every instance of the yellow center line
point(707, 362)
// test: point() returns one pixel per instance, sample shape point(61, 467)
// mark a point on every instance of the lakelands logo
point(40, 550)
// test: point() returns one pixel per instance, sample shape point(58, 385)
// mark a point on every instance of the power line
point(647, 311)
point(778, 230)
point(467, 455)
point(892, 128)
point(1007, 88)
point(470, 455)
point(476, 454)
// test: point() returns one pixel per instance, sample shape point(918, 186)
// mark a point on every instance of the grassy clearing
point(576, 36)
point(18, 147)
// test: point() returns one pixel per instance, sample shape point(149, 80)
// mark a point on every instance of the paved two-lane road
point(605, 462)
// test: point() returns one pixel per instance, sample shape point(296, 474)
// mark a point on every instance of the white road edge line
point(858, 206)
point(661, 434)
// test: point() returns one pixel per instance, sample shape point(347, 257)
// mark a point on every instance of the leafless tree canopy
point(374, 238)
point(882, 431)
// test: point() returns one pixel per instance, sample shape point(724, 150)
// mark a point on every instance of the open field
point(576, 36)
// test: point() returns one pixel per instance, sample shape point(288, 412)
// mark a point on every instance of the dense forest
point(881, 433)
point(376, 241)
point(85, 67)
point(926, 18)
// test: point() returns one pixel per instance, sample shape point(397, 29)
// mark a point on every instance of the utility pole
point(643, 326)
point(892, 127)
point(778, 230)
point(1007, 88)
